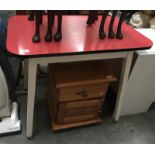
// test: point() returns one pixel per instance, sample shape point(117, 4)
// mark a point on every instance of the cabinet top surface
point(77, 38)
point(79, 73)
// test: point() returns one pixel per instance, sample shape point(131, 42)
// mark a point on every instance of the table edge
point(79, 53)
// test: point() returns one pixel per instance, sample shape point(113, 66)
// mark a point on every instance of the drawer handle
point(82, 93)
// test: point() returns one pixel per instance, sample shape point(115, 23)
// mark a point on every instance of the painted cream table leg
point(25, 73)
point(32, 71)
point(123, 83)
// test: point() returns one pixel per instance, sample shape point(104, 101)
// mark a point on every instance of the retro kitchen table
point(79, 43)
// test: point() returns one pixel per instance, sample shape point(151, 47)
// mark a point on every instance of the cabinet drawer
point(78, 110)
point(96, 90)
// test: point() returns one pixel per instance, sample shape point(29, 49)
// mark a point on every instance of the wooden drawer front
point(82, 92)
point(78, 110)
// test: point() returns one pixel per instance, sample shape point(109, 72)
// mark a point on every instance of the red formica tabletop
point(77, 38)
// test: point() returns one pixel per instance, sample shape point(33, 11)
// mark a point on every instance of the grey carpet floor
point(138, 128)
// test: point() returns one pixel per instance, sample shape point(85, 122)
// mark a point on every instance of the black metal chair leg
point(36, 37)
point(111, 33)
point(58, 34)
point(102, 33)
point(31, 15)
point(96, 15)
point(90, 18)
point(119, 34)
point(50, 16)
point(40, 17)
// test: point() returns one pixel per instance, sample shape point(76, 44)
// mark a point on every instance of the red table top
point(77, 38)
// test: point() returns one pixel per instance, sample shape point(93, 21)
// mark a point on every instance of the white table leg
point(32, 71)
point(122, 86)
point(25, 73)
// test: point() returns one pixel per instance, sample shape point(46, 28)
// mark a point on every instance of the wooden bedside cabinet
point(76, 93)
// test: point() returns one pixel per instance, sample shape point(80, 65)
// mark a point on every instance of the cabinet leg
point(32, 71)
point(123, 83)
